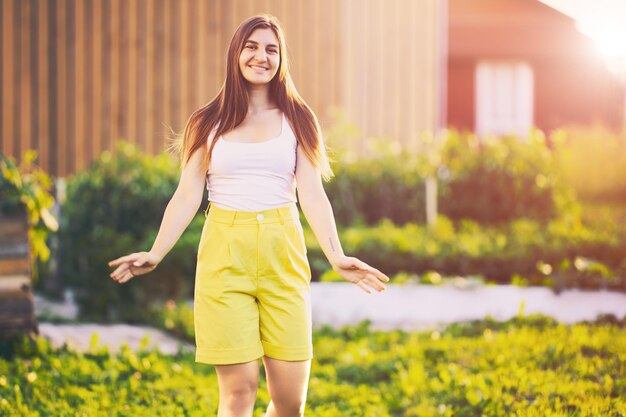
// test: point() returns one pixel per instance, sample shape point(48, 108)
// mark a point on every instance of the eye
point(250, 46)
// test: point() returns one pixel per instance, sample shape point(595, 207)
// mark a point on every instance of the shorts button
point(259, 217)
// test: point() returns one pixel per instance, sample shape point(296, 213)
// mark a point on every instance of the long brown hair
point(230, 106)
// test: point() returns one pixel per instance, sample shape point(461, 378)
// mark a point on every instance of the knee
point(289, 407)
point(240, 398)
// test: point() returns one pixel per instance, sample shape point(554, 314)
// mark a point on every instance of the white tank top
point(253, 176)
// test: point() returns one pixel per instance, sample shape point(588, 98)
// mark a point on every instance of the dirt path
point(78, 336)
point(409, 307)
point(425, 306)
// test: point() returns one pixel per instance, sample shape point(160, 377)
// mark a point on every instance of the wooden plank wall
point(391, 75)
point(78, 75)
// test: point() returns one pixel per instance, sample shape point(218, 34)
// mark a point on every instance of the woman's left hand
point(359, 273)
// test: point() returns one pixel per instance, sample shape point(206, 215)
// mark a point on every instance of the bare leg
point(287, 383)
point(238, 385)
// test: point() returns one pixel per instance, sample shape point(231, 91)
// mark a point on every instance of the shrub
point(563, 253)
point(498, 180)
point(115, 208)
point(25, 189)
point(374, 187)
point(492, 182)
point(593, 163)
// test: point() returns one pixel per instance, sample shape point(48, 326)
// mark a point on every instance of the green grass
point(523, 367)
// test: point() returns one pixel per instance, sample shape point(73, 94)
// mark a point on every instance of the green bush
point(115, 208)
point(500, 179)
point(25, 189)
point(563, 253)
point(593, 163)
point(492, 181)
point(387, 184)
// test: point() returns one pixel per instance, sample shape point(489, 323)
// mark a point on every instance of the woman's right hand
point(133, 265)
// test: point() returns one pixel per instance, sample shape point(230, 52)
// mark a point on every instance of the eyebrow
point(256, 43)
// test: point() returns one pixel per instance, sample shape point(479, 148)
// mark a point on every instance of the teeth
point(261, 68)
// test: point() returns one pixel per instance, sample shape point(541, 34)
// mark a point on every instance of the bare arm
point(316, 207)
point(319, 213)
point(182, 207)
point(179, 212)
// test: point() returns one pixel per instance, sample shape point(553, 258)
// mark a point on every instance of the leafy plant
point(114, 208)
point(528, 365)
point(593, 162)
point(502, 254)
point(25, 188)
point(492, 181)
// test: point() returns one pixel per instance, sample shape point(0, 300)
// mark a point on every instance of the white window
point(504, 98)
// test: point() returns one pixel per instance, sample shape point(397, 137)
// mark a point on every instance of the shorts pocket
point(297, 236)
point(296, 250)
point(213, 259)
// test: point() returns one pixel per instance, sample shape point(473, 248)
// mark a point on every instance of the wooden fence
point(78, 75)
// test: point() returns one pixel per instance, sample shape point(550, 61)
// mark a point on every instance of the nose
point(260, 55)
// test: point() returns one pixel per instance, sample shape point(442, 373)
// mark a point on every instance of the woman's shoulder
point(288, 121)
point(213, 131)
point(289, 126)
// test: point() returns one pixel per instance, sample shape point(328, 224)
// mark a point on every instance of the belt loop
point(282, 215)
point(232, 220)
point(294, 212)
point(206, 212)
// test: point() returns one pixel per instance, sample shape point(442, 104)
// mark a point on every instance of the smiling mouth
point(256, 67)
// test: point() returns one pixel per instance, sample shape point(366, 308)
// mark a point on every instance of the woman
point(252, 144)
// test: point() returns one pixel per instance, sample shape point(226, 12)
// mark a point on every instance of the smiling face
point(260, 57)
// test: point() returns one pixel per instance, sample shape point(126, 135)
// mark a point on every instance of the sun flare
point(610, 40)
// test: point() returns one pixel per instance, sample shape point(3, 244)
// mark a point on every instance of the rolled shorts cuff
point(229, 356)
point(287, 353)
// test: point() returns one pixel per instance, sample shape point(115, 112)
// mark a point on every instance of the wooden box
point(17, 312)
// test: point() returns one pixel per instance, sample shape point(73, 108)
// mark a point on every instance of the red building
point(514, 64)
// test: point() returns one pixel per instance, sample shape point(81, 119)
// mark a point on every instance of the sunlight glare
point(610, 41)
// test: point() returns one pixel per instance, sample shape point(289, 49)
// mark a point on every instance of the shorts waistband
point(274, 215)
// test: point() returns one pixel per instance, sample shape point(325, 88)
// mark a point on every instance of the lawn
point(526, 366)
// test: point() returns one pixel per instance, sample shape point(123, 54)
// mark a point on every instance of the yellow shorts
point(252, 294)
